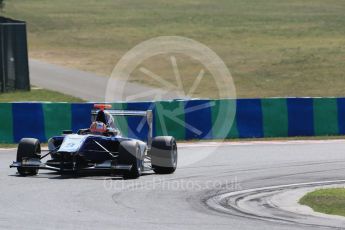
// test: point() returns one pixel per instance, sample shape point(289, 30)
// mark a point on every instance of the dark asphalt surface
point(85, 85)
point(50, 201)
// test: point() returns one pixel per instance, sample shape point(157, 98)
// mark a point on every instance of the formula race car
point(100, 148)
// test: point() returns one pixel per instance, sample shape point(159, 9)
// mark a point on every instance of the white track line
point(7, 149)
point(251, 143)
point(243, 143)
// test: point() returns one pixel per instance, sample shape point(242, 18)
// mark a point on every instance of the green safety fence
point(184, 119)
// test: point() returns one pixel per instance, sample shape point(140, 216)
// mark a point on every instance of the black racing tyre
point(28, 148)
point(130, 154)
point(164, 155)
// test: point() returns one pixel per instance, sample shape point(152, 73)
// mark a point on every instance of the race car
point(100, 148)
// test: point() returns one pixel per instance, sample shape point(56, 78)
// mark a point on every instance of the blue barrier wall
point(193, 119)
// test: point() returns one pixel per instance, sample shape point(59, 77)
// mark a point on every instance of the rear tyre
point(130, 154)
point(164, 155)
point(28, 148)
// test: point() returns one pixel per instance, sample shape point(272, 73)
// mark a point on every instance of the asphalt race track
point(90, 87)
point(178, 201)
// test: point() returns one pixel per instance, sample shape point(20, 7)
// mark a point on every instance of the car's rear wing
point(148, 115)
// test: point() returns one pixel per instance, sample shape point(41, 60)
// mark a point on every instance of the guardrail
point(193, 119)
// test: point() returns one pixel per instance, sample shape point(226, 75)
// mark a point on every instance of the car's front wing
point(104, 166)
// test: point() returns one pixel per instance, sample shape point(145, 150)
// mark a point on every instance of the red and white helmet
point(98, 127)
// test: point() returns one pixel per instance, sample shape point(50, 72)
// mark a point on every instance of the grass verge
point(2, 145)
point(11, 145)
point(272, 48)
point(270, 139)
point(37, 94)
point(329, 201)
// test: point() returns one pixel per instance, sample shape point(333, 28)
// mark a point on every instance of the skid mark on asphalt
point(301, 173)
point(255, 204)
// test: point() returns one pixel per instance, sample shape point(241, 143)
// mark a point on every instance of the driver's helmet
point(98, 127)
point(106, 118)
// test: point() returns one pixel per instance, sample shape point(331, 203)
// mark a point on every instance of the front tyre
point(131, 154)
point(164, 155)
point(28, 148)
